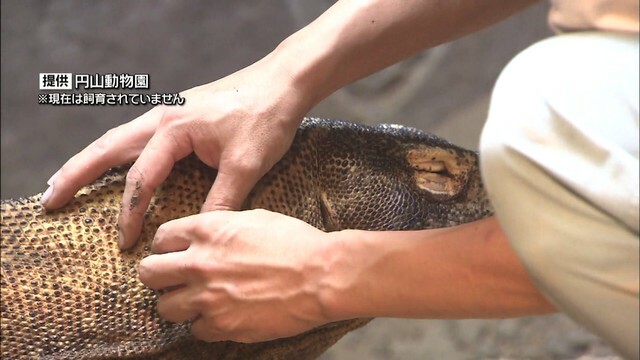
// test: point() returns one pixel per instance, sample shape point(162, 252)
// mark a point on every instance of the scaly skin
point(68, 292)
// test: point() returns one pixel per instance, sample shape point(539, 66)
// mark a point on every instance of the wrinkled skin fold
point(68, 292)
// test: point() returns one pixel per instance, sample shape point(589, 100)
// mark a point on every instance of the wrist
point(307, 66)
point(328, 53)
point(342, 289)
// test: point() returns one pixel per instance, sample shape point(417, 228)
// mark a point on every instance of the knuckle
point(199, 232)
point(169, 117)
point(204, 231)
point(178, 141)
point(248, 165)
point(252, 166)
point(134, 176)
point(102, 146)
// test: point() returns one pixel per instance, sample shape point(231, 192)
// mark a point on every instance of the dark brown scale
point(82, 295)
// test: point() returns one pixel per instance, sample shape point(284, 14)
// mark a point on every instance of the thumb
point(229, 191)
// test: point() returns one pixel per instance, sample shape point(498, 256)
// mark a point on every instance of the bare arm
point(468, 271)
point(356, 38)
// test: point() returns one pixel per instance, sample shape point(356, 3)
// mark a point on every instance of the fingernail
point(120, 239)
point(53, 178)
point(46, 195)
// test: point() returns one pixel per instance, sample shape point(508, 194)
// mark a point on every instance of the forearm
point(355, 38)
point(468, 271)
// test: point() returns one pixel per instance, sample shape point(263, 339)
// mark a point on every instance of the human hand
point(241, 125)
point(244, 276)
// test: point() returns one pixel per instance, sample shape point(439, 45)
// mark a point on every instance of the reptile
point(68, 292)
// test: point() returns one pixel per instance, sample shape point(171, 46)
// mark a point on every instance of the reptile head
point(381, 177)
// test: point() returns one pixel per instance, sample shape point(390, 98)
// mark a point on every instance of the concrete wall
point(181, 44)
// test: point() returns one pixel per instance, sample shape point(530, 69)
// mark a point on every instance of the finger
point(173, 236)
point(164, 271)
point(229, 190)
point(176, 305)
point(116, 147)
point(146, 174)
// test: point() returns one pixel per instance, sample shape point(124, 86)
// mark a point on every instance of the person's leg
point(559, 157)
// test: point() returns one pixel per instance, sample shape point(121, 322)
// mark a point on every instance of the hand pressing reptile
point(240, 125)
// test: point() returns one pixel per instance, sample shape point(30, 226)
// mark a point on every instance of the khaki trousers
point(559, 156)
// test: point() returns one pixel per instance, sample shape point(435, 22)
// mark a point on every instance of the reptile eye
point(441, 172)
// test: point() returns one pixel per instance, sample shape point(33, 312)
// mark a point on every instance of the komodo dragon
point(68, 292)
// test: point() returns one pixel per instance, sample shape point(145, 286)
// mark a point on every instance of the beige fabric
point(612, 15)
point(559, 156)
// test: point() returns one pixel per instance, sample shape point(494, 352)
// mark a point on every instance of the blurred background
point(181, 44)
